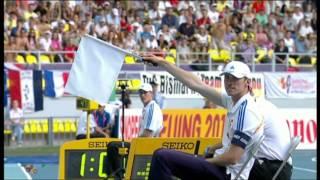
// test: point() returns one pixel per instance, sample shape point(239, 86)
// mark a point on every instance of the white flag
point(95, 69)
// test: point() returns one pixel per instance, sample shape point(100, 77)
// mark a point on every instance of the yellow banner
point(193, 122)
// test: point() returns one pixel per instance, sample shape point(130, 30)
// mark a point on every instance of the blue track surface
point(304, 163)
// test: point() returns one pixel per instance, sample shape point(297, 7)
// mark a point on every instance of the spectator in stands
point(247, 47)
point(17, 122)
point(262, 17)
point(114, 18)
point(69, 56)
point(182, 18)
point(56, 45)
point(261, 37)
point(55, 11)
point(202, 42)
point(101, 28)
point(248, 17)
point(184, 51)
point(169, 18)
point(155, 15)
point(258, 6)
point(298, 14)
point(301, 47)
point(289, 22)
point(212, 13)
point(95, 130)
point(12, 45)
point(281, 48)
point(187, 28)
point(204, 19)
point(167, 33)
point(304, 27)
point(45, 41)
point(102, 118)
point(32, 43)
point(289, 42)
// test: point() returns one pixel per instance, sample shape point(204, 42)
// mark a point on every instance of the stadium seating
point(219, 56)
point(129, 60)
point(20, 59)
point(171, 56)
point(31, 59)
point(45, 59)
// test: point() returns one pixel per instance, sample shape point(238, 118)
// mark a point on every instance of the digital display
point(86, 164)
point(141, 167)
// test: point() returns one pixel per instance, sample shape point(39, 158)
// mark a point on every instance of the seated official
point(102, 118)
point(95, 131)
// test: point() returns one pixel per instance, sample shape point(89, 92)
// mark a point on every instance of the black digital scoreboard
point(87, 158)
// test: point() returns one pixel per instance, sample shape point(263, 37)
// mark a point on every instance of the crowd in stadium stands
point(216, 27)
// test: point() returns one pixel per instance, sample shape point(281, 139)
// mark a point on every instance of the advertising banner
point(171, 87)
point(302, 122)
point(210, 122)
point(291, 85)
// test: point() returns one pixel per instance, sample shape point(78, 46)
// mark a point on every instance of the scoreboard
point(141, 150)
point(86, 158)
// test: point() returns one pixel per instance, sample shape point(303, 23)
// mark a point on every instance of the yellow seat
point(60, 126)
point(20, 59)
point(170, 59)
point(31, 59)
point(7, 131)
point(44, 125)
point(313, 60)
point(39, 127)
point(45, 59)
point(214, 54)
point(261, 54)
point(225, 55)
point(74, 125)
point(173, 53)
point(129, 60)
point(55, 126)
point(67, 126)
point(33, 126)
point(292, 61)
point(26, 127)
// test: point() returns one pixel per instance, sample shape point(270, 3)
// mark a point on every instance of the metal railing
point(207, 63)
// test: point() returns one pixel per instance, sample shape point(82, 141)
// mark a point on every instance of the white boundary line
point(304, 169)
point(24, 171)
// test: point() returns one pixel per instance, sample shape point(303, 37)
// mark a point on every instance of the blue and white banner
point(291, 85)
point(55, 82)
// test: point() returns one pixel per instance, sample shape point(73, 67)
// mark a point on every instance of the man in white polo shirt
point(151, 122)
point(274, 147)
point(243, 126)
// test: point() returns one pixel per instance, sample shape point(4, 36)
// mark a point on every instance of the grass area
point(31, 151)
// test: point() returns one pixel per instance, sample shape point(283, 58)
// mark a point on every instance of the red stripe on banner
point(65, 76)
point(15, 89)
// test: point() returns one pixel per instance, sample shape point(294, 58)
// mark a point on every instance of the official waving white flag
point(95, 69)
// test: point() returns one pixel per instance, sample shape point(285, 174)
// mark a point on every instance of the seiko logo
point(178, 145)
point(98, 144)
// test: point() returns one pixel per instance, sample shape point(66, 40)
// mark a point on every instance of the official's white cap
point(237, 69)
point(146, 87)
